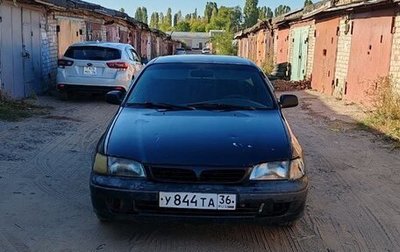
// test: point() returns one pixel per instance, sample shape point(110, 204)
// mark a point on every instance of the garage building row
point(35, 33)
point(344, 47)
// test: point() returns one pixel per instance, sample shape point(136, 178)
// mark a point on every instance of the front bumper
point(137, 199)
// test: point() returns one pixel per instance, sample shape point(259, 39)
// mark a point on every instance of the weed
point(386, 116)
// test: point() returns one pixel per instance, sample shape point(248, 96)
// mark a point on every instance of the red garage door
point(370, 53)
point(323, 76)
point(282, 41)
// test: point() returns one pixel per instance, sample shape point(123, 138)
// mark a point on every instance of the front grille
point(189, 175)
point(151, 207)
point(173, 174)
point(223, 176)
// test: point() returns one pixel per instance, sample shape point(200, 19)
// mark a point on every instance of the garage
point(370, 53)
point(20, 50)
point(323, 76)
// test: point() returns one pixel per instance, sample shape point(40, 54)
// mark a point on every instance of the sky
point(186, 6)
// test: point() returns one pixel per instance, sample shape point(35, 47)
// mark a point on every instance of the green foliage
point(250, 13)
point(182, 26)
point(141, 15)
point(145, 17)
point(223, 44)
point(386, 117)
point(308, 2)
point(281, 9)
point(210, 7)
point(226, 18)
point(122, 10)
point(154, 20)
point(198, 25)
point(268, 65)
point(168, 18)
point(265, 13)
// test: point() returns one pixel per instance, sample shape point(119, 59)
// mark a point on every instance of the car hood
point(204, 138)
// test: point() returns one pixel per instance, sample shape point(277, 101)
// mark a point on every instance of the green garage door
point(299, 57)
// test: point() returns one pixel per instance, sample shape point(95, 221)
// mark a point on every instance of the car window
point(183, 84)
point(129, 53)
point(93, 53)
point(135, 55)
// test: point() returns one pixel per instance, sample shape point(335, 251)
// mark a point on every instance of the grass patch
point(386, 116)
point(17, 110)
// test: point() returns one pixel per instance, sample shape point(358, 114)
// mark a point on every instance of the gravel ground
point(45, 163)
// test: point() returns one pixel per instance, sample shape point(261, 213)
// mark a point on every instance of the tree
point(168, 18)
point(182, 26)
point(210, 7)
point(281, 9)
point(307, 3)
point(177, 17)
point(139, 14)
point(122, 10)
point(250, 12)
point(144, 15)
point(198, 25)
point(154, 22)
point(223, 44)
point(160, 19)
point(265, 13)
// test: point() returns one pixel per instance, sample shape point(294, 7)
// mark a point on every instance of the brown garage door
point(370, 53)
point(325, 55)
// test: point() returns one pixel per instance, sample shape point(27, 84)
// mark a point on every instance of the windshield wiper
point(164, 106)
point(220, 106)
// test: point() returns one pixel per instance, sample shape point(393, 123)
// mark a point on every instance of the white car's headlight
point(291, 170)
point(118, 167)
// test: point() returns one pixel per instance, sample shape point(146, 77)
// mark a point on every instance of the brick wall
point(49, 49)
point(395, 60)
point(343, 57)
point(310, 54)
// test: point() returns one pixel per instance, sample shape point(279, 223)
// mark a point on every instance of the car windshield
point(93, 53)
point(202, 86)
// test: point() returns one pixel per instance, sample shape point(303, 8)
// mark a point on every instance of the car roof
point(103, 44)
point(204, 59)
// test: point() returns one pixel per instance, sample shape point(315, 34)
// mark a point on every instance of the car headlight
point(118, 167)
point(291, 170)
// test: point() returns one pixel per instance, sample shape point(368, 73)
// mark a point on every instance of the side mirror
point(288, 101)
point(115, 97)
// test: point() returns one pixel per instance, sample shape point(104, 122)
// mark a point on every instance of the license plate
point(207, 201)
point(89, 70)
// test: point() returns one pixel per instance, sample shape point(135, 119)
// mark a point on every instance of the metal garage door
point(370, 53)
point(70, 31)
point(323, 75)
point(20, 51)
point(300, 52)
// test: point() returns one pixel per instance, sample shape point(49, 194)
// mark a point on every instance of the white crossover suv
point(97, 67)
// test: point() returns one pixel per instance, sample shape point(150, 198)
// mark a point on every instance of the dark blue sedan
point(199, 137)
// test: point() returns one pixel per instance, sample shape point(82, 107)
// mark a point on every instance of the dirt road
point(354, 202)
